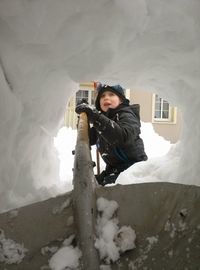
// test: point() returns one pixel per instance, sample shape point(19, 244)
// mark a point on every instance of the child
point(115, 131)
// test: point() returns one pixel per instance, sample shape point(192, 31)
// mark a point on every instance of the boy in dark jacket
point(115, 131)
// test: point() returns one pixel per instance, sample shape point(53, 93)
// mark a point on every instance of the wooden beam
point(84, 200)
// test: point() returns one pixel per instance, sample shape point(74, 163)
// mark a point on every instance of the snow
point(111, 240)
point(10, 251)
point(66, 257)
point(158, 167)
point(47, 48)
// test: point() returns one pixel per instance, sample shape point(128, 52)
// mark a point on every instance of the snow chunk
point(108, 250)
point(10, 251)
point(107, 208)
point(47, 249)
point(152, 240)
point(125, 238)
point(65, 257)
point(111, 240)
point(69, 240)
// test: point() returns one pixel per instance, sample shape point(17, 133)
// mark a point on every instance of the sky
point(48, 47)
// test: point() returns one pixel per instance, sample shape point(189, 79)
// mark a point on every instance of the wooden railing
point(84, 201)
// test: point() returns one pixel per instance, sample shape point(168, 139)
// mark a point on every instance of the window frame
point(90, 96)
point(172, 112)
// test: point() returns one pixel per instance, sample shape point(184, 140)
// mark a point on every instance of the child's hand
point(83, 100)
point(92, 113)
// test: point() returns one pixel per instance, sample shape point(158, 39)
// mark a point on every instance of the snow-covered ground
point(161, 158)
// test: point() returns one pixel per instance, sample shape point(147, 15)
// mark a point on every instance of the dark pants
point(108, 176)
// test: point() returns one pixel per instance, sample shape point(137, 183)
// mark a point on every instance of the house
point(166, 119)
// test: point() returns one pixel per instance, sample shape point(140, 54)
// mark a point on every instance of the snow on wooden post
point(84, 197)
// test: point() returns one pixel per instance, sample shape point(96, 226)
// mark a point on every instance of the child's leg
point(106, 177)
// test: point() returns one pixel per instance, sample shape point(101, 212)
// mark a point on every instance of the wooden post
point(98, 162)
point(84, 201)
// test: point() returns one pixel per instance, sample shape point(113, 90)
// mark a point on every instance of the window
point(80, 95)
point(86, 94)
point(162, 111)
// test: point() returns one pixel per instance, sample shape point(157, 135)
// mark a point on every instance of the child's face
point(109, 100)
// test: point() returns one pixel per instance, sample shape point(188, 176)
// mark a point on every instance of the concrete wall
point(165, 217)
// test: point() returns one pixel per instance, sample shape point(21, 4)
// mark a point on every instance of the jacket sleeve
point(118, 132)
point(92, 136)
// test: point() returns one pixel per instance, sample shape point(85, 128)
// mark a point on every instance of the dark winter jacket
point(117, 136)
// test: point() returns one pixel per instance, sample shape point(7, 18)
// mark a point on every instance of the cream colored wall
point(143, 98)
point(70, 117)
point(169, 131)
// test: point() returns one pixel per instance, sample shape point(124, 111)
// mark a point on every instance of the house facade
point(166, 120)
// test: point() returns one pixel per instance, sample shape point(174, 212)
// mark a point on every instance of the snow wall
point(47, 47)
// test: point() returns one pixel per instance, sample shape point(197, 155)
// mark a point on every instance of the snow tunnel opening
point(160, 127)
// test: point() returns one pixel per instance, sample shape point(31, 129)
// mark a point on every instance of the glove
point(83, 100)
point(92, 113)
point(104, 178)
